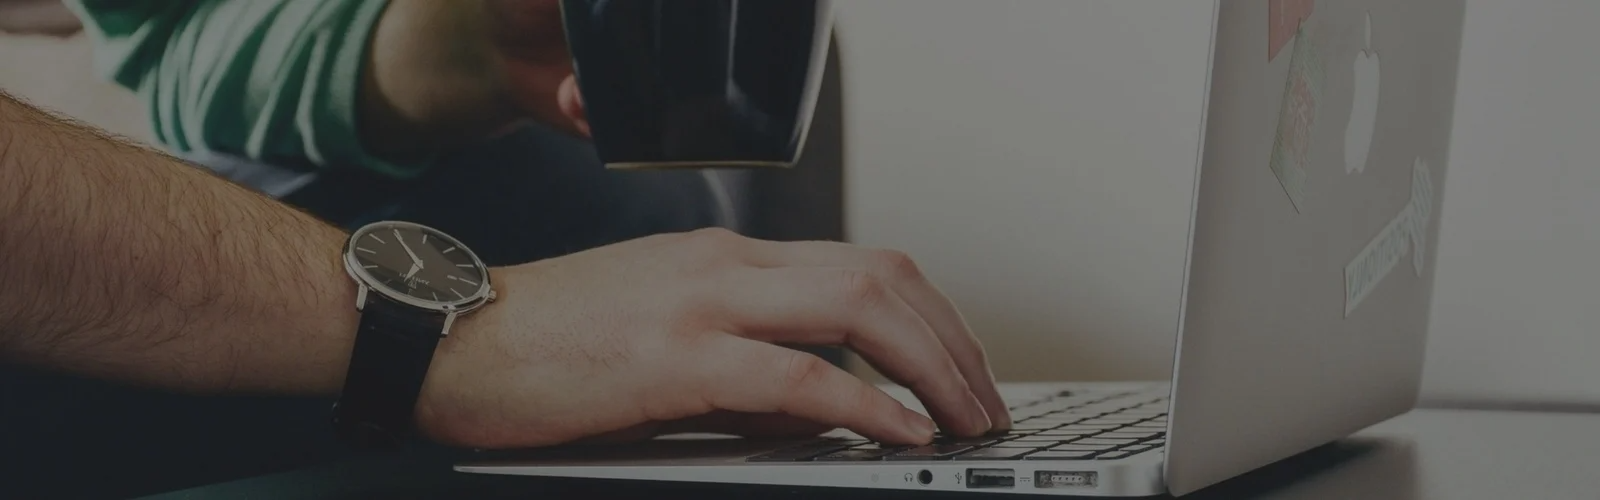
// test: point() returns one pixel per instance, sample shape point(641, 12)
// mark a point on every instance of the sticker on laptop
point(1422, 219)
point(1291, 149)
point(1408, 231)
point(1283, 20)
point(1363, 106)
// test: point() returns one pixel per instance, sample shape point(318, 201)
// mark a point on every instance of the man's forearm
point(120, 262)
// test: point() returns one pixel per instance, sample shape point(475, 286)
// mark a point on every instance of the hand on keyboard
point(680, 332)
point(1068, 427)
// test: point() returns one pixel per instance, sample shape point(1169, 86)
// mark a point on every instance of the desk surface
point(1426, 454)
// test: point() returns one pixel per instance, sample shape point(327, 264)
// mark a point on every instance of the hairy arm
point(119, 262)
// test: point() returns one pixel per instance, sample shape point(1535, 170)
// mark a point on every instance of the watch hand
point(414, 260)
point(413, 271)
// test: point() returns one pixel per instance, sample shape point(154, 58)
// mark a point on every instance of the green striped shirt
point(274, 81)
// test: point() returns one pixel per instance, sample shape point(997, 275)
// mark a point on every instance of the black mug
point(698, 83)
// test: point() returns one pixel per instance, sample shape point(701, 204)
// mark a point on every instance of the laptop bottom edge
point(1129, 478)
point(1089, 457)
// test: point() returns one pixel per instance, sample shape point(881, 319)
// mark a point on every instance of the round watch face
point(417, 264)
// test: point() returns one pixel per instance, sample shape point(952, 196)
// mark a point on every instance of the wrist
point(419, 290)
point(443, 412)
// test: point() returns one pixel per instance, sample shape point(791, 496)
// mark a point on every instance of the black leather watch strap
point(393, 348)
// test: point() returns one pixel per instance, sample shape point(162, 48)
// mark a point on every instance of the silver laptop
point(1307, 287)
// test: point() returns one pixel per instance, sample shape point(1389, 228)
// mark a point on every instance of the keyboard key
point(1014, 444)
point(1118, 422)
point(1113, 455)
point(1051, 419)
point(1097, 440)
point(973, 441)
point(1068, 433)
point(992, 434)
point(1101, 407)
point(930, 452)
point(797, 454)
point(1059, 423)
point(1155, 442)
point(1029, 426)
point(1136, 448)
point(1042, 439)
point(1061, 455)
point(995, 454)
point(1055, 412)
point(1082, 447)
point(1128, 434)
point(1097, 427)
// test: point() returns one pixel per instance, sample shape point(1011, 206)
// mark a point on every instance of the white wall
point(1037, 157)
point(1516, 313)
point(58, 74)
point(1030, 153)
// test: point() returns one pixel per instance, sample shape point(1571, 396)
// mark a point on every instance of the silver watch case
point(367, 284)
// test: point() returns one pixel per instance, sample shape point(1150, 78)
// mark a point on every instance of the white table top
point(1442, 454)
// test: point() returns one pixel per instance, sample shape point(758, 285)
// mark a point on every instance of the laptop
point(1306, 298)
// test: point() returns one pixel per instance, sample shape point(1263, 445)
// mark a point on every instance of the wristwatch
point(412, 282)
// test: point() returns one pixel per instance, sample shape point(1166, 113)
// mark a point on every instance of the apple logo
point(1363, 107)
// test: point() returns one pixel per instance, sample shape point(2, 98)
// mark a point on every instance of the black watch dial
point(418, 263)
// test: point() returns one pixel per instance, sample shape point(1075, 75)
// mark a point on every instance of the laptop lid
point(1306, 307)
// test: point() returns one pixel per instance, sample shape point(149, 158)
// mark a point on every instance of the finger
point(570, 100)
point(633, 434)
point(751, 376)
point(931, 304)
point(832, 306)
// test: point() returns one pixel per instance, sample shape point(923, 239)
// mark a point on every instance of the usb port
point(1062, 479)
point(991, 478)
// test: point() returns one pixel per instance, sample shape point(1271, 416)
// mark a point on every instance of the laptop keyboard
point(1065, 426)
